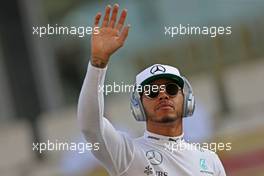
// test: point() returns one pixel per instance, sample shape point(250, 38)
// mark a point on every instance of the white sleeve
point(115, 149)
point(220, 171)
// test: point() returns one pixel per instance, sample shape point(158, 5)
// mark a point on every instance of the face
point(164, 108)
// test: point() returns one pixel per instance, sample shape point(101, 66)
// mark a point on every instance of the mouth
point(165, 106)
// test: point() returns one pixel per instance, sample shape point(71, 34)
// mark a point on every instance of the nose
point(163, 95)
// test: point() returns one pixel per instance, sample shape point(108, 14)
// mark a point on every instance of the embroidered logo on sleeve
point(204, 167)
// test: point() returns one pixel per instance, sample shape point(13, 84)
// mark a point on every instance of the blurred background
point(40, 79)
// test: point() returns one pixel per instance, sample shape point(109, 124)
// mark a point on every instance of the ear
point(142, 102)
point(142, 98)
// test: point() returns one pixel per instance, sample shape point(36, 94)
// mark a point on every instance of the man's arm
point(219, 168)
point(115, 150)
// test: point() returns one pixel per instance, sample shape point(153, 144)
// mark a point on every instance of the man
point(166, 100)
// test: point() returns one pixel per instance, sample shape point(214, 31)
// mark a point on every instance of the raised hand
point(111, 36)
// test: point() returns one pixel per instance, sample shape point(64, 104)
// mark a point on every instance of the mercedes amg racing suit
point(149, 155)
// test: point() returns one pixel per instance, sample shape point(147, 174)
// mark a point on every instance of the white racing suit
point(149, 155)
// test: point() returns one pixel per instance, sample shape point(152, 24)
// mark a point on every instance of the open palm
point(111, 35)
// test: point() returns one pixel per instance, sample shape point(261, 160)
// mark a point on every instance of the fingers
point(97, 19)
point(114, 14)
point(124, 34)
point(112, 22)
point(121, 20)
point(106, 17)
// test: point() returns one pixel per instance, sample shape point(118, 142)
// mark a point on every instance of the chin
point(166, 119)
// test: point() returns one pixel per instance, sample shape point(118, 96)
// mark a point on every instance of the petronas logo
point(203, 165)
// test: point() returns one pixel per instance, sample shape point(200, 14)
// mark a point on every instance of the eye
point(172, 89)
point(151, 91)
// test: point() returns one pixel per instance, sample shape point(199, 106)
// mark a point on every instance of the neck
point(166, 129)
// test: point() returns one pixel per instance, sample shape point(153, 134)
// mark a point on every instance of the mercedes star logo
point(154, 157)
point(157, 68)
